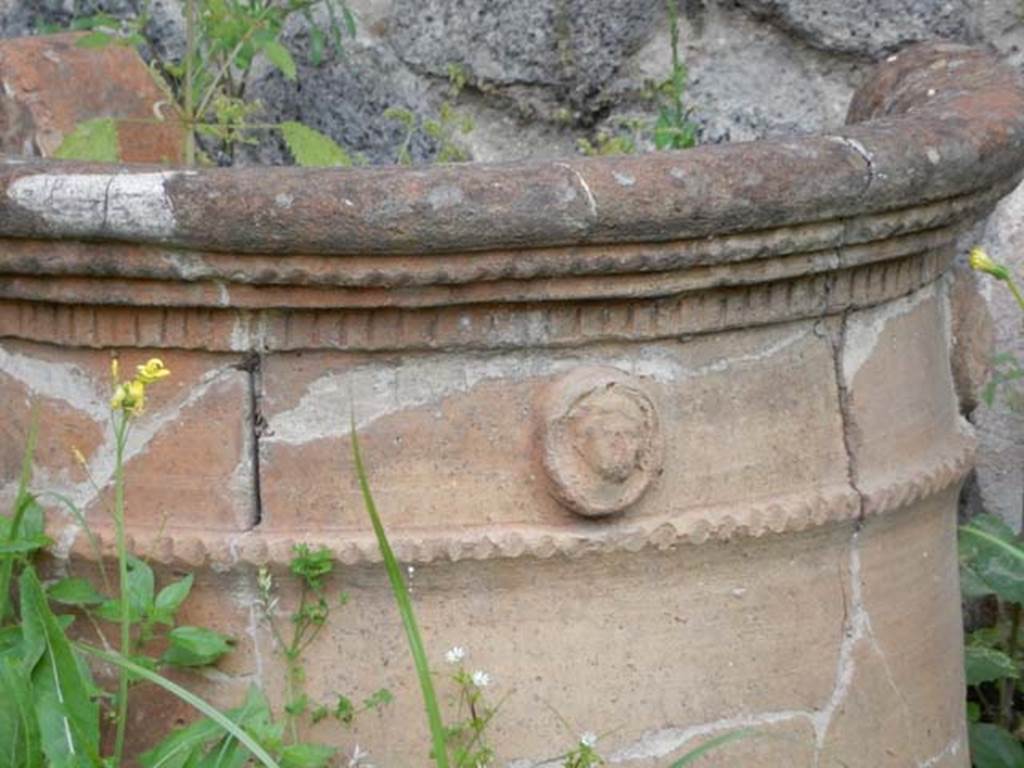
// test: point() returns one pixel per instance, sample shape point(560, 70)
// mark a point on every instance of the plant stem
point(204, 102)
point(190, 48)
point(1015, 291)
point(677, 93)
point(120, 432)
point(1007, 688)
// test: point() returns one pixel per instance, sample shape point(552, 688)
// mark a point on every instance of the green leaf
point(33, 523)
point(195, 646)
point(74, 592)
point(973, 712)
point(988, 637)
point(350, 20)
point(182, 746)
point(110, 610)
point(311, 148)
point(92, 22)
point(189, 698)
point(710, 745)
point(20, 745)
point(379, 698)
point(186, 746)
point(311, 565)
point(23, 545)
point(94, 140)
point(982, 665)
point(95, 40)
point(11, 641)
point(344, 710)
point(972, 586)
point(994, 747)
point(280, 58)
point(170, 599)
point(306, 755)
point(404, 603)
point(141, 586)
point(990, 549)
point(316, 45)
point(68, 717)
point(663, 131)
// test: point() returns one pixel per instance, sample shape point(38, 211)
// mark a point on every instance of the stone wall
point(544, 73)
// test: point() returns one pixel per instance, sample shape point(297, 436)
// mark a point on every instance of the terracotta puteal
point(668, 442)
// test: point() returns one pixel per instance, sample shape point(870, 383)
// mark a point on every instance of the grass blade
point(707, 746)
point(404, 602)
point(188, 697)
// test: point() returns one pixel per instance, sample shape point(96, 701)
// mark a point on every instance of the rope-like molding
point(577, 538)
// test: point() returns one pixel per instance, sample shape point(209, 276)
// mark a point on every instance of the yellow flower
point(152, 371)
point(980, 261)
point(114, 371)
point(129, 397)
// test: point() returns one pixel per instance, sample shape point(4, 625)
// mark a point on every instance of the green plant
point(206, 87)
point(671, 129)
point(51, 707)
point(445, 128)
point(624, 141)
point(467, 734)
point(311, 567)
point(992, 567)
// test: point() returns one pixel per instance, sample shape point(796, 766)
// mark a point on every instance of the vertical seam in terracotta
point(845, 415)
point(251, 365)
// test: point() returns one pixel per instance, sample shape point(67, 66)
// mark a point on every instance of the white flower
point(481, 679)
point(455, 654)
point(588, 739)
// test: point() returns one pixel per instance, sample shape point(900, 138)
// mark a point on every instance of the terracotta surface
point(671, 443)
point(51, 85)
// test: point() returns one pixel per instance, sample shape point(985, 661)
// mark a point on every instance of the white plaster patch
point(950, 750)
point(95, 204)
point(444, 197)
point(249, 332)
point(624, 179)
point(188, 265)
point(375, 391)
point(662, 743)
point(857, 627)
point(57, 381)
point(866, 328)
